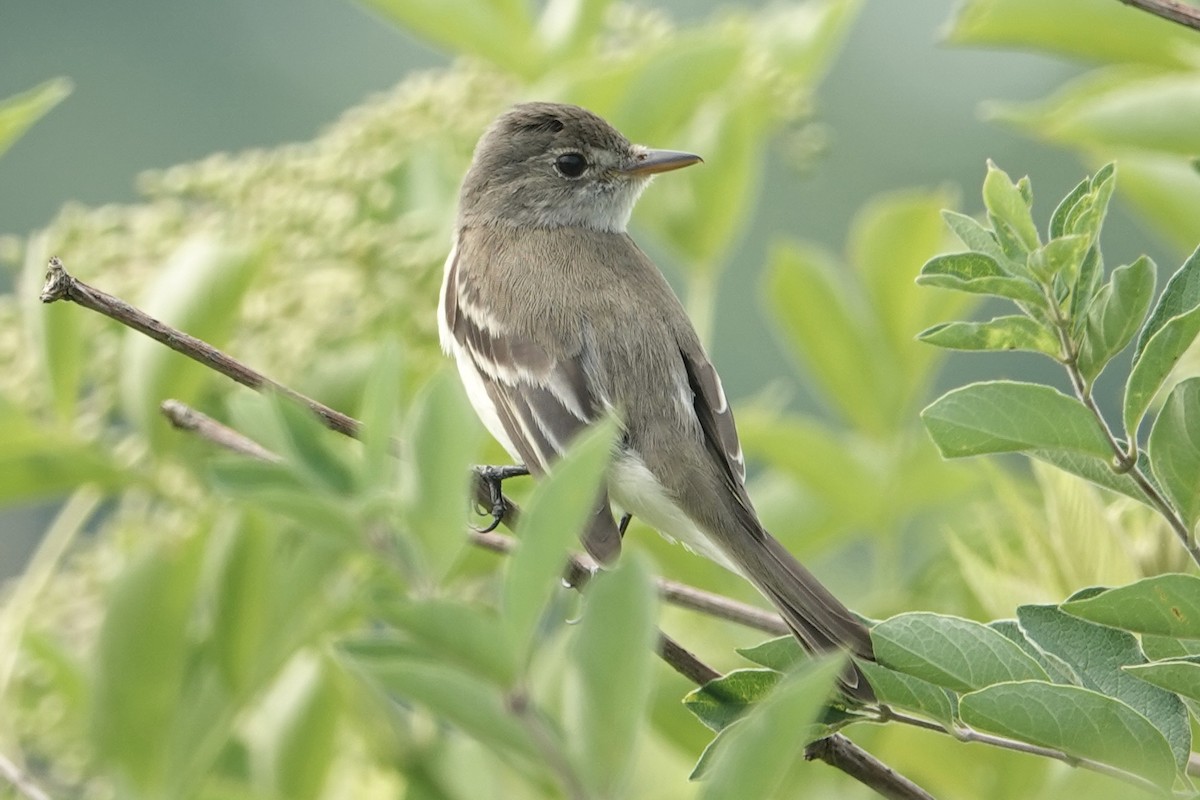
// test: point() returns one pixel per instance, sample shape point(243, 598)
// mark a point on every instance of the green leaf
point(1174, 449)
point(38, 463)
point(240, 615)
point(720, 702)
point(1099, 31)
point(141, 658)
point(461, 699)
point(1058, 220)
point(891, 237)
point(199, 291)
point(1004, 201)
point(998, 333)
point(312, 450)
point(950, 651)
point(1180, 296)
point(1077, 721)
point(1060, 258)
point(1058, 670)
point(1086, 216)
point(1165, 605)
point(1165, 190)
point(1115, 314)
point(827, 335)
point(505, 37)
point(1181, 677)
point(457, 633)
point(442, 437)
point(567, 26)
point(1097, 654)
point(1153, 364)
point(1006, 417)
point(380, 411)
point(1091, 273)
point(618, 627)
point(758, 751)
point(1097, 470)
point(979, 273)
point(1158, 648)
point(702, 227)
point(900, 690)
point(972, 233)
point(284, 490)
point(1117, 110)
point(18, 112)
point(301, 747)
point(555, 517)
point(780, 654)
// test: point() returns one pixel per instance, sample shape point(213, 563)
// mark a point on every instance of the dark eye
point(570, 165)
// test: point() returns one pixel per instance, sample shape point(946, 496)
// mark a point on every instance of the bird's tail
point(818, 619)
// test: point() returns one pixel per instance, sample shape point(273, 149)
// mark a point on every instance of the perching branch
point(1182, 13)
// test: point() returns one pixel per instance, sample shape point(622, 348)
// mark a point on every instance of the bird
point(556, 319)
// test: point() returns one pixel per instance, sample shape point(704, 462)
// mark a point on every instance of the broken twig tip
point(58, 282)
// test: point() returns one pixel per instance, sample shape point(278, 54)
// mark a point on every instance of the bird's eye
point(570, 165)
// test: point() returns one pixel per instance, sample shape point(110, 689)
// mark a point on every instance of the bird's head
point(550, 165)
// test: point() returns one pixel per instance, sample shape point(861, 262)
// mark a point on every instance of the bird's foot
point(493, 477)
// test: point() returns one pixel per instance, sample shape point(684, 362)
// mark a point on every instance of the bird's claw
point(493, 478)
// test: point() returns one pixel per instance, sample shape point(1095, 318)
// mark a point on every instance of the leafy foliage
point(1091, 320)
point(1072, 677)
point(1129, 107)
point(318, 626)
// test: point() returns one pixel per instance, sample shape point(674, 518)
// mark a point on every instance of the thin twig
point(186, 418)
point(1125, 460)
point(61, 285)
point(840, 752)
point(16, 778)
point(964, 733)
point(1188, 16)
point(684, 661)
point(715, 605)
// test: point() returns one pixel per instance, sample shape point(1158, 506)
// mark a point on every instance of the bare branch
point(61, 285)
point(186, 418)
point(715, 605)
point(1182, 13)
point(840, 752)
point(965, 733)
point(684, 662)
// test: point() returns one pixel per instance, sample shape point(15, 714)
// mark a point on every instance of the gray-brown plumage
point(556, 318)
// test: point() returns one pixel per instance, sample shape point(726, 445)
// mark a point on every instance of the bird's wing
point(542, 398)
point(716, 420)
point(817, 617)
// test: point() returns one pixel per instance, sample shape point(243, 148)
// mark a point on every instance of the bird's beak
point(649, 162)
